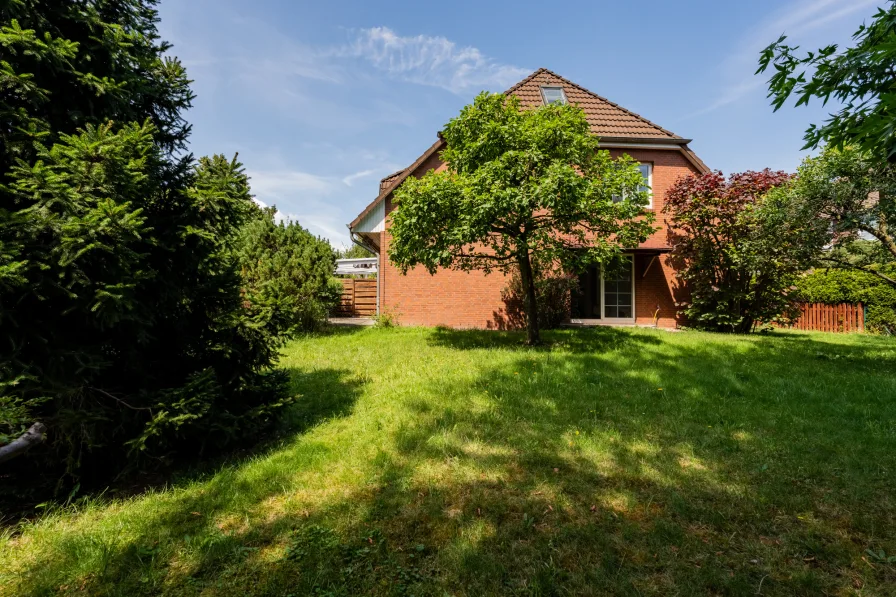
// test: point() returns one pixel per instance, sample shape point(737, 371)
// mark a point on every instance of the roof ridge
point(394, 174)
point(529, 78)
point(600, 97)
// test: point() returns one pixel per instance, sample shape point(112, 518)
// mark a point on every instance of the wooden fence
point(845, 317)
point(358, 298)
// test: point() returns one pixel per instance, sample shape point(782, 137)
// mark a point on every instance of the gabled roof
point(609, 121)
point(606, 118)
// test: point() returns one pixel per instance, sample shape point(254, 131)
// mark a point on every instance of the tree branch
point(26, 441)
point(864, 268)
point(120, 401)
point(477, 256)
point(881, 233)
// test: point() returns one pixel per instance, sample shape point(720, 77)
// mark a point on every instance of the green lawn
point(437, 462)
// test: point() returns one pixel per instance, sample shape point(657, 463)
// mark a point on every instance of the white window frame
point(649, 205)
point(544, 99)
point(649, 182)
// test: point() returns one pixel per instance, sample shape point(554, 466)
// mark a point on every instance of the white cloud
point(317, 224)
point(289, 184)
point(798, 21)
point(430, 60)
point(351, 178)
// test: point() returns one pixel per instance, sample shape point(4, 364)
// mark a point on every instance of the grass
point(439, 462)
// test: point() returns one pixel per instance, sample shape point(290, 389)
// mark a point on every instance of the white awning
point(360, 266)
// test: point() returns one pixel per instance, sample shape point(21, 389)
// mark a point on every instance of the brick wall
point(656, 289)
point(473, 300)
point(668, 166)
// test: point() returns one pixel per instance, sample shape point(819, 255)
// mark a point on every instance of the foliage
point(67, 64)
point(385, 319)
point(355, 251)
point(611, 462)
point(553, 299)
point(130, 330)
point(123, 328)
point(737, 249)
point(854, 196)
point(287, 274)
point(834, 286)
point(859, 77)
point(521, 187)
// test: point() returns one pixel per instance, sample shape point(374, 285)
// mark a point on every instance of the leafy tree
point(123, 331)
point(69, 64)
point(521, 187)
point(287, 273)
point(353, 252)
point(860, 78)
point(854, 195)
point(737, 248)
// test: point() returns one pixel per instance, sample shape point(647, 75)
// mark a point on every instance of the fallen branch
point(26, 441)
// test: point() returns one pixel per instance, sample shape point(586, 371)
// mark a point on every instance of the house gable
point(616, 127)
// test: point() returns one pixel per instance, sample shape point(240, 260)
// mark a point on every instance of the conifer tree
point(123, 326)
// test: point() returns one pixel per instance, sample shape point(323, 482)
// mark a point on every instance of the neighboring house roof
point(611, 122)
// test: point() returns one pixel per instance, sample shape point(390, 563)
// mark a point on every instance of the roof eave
point(673, 141)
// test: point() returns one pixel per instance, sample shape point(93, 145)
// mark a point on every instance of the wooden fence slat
point(358, 298)
point(842, 318)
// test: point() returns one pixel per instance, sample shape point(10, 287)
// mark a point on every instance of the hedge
point(834, 286)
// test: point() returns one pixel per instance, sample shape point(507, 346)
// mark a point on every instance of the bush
point(553, 299)
point(737, 248)
point(833, 286)
point(287, 274)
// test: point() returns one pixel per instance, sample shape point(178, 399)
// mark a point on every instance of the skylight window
point(553, 95)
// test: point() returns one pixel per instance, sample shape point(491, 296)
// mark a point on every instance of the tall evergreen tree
point(124, 327)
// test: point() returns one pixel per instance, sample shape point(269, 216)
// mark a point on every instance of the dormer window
point(553, 95)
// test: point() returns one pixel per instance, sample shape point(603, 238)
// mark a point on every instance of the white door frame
point(603, 301)
point(603, 297)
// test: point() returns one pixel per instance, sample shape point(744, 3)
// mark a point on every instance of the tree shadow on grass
point(614, 465)
point(595, 339)
point(188, 500)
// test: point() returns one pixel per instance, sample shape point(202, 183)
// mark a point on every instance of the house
point(644, 295)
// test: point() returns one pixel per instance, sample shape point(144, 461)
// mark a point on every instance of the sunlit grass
point(433, 462)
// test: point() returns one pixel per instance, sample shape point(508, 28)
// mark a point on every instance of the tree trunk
point(533, 336)
point(23, 443)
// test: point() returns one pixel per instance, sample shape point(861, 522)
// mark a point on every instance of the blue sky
point(322, 99)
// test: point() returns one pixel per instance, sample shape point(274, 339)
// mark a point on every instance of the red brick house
point(473, 300)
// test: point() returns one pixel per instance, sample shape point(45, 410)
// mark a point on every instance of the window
point(647, 186)
point(553, 95)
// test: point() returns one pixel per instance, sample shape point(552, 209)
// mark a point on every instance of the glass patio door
point(619, 295)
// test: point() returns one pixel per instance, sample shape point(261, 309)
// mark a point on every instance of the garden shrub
point(738, 249)
point(287, 272)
